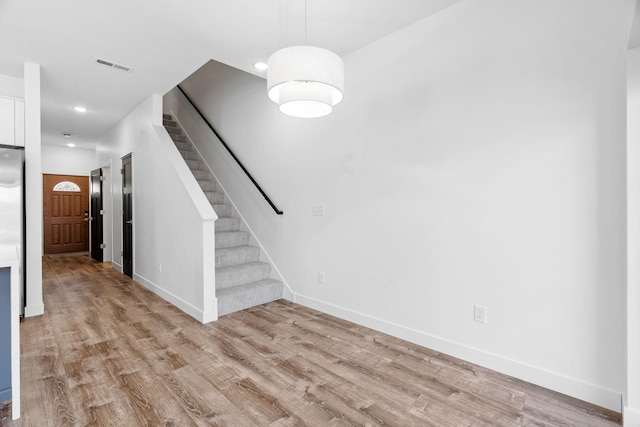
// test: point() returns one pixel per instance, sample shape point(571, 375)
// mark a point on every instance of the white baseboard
point(630, 417)
point(193, 311)
point(210, 316)
point(288, 294)
point(556, 381)
point(34, 310)
point(116, 267)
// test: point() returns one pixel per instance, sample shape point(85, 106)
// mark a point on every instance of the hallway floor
point(107, 352)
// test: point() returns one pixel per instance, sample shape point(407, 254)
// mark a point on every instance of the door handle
point(88, 219)
point(129, 222)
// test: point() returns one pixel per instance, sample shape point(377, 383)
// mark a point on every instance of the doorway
point(96, 219)
point(66, 213)
point(127, 216)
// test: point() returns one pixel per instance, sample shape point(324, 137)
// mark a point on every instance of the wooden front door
point(66, 213)
point(127, 216)
point(97, 213)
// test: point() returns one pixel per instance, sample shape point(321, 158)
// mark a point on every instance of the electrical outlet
point(480, 313)
point(320, 277)
point(317, 210)
point(159, 267)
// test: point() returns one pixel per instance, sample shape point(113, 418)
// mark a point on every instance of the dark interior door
point(127, 217)
point(95, 230)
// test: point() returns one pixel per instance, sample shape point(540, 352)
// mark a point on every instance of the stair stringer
point(288, 293)
point(209, 311)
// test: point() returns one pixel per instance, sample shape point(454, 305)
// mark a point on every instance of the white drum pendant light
point(305, 81)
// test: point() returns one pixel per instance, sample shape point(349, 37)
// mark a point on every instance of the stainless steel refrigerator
point(12, 217)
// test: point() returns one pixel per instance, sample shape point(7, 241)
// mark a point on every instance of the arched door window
point(67, 186)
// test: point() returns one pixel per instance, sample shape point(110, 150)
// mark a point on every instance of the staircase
point(242, 280)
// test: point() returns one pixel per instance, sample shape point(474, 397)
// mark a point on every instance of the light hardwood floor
point(109, 352)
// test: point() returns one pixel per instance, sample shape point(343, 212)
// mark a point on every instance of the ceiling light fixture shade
point(305, 81)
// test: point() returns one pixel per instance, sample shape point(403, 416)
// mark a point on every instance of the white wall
point(11, 86)
point(68, 161)
point(478, 158)
point(632, 398)
point(172, 232)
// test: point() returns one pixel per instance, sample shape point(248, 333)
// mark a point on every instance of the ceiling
point(164, 42)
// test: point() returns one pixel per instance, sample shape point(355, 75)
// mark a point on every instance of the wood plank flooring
point(107, 352)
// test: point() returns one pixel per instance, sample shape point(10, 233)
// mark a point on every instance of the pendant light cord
point(305, 22)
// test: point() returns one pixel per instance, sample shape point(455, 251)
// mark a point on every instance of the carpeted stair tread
point(240, 274)
point(222, 210)
point(248, 295)
point(227, 223)
point(189, 155)
point(196, 164)
point(231, 239)
point(226, 257)
point(207, 185)
point(182, 139)
point(202, 174)
point(214, 197)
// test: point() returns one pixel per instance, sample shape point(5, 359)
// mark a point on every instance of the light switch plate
point(317, 210)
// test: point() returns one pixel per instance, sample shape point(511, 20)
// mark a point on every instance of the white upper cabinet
point(7, 121)
point(11, 122)
point(19, 122)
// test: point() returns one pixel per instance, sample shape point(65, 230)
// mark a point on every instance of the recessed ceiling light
point(80, 109)
point(260, 66)
point(66, 135)
point(71, 144)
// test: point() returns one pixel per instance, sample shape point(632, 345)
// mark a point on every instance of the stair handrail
point(224, 144)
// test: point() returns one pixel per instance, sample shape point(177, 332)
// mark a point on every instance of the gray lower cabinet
point(5, 334)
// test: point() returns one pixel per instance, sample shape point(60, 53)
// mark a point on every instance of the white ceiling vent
point(113, 65)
